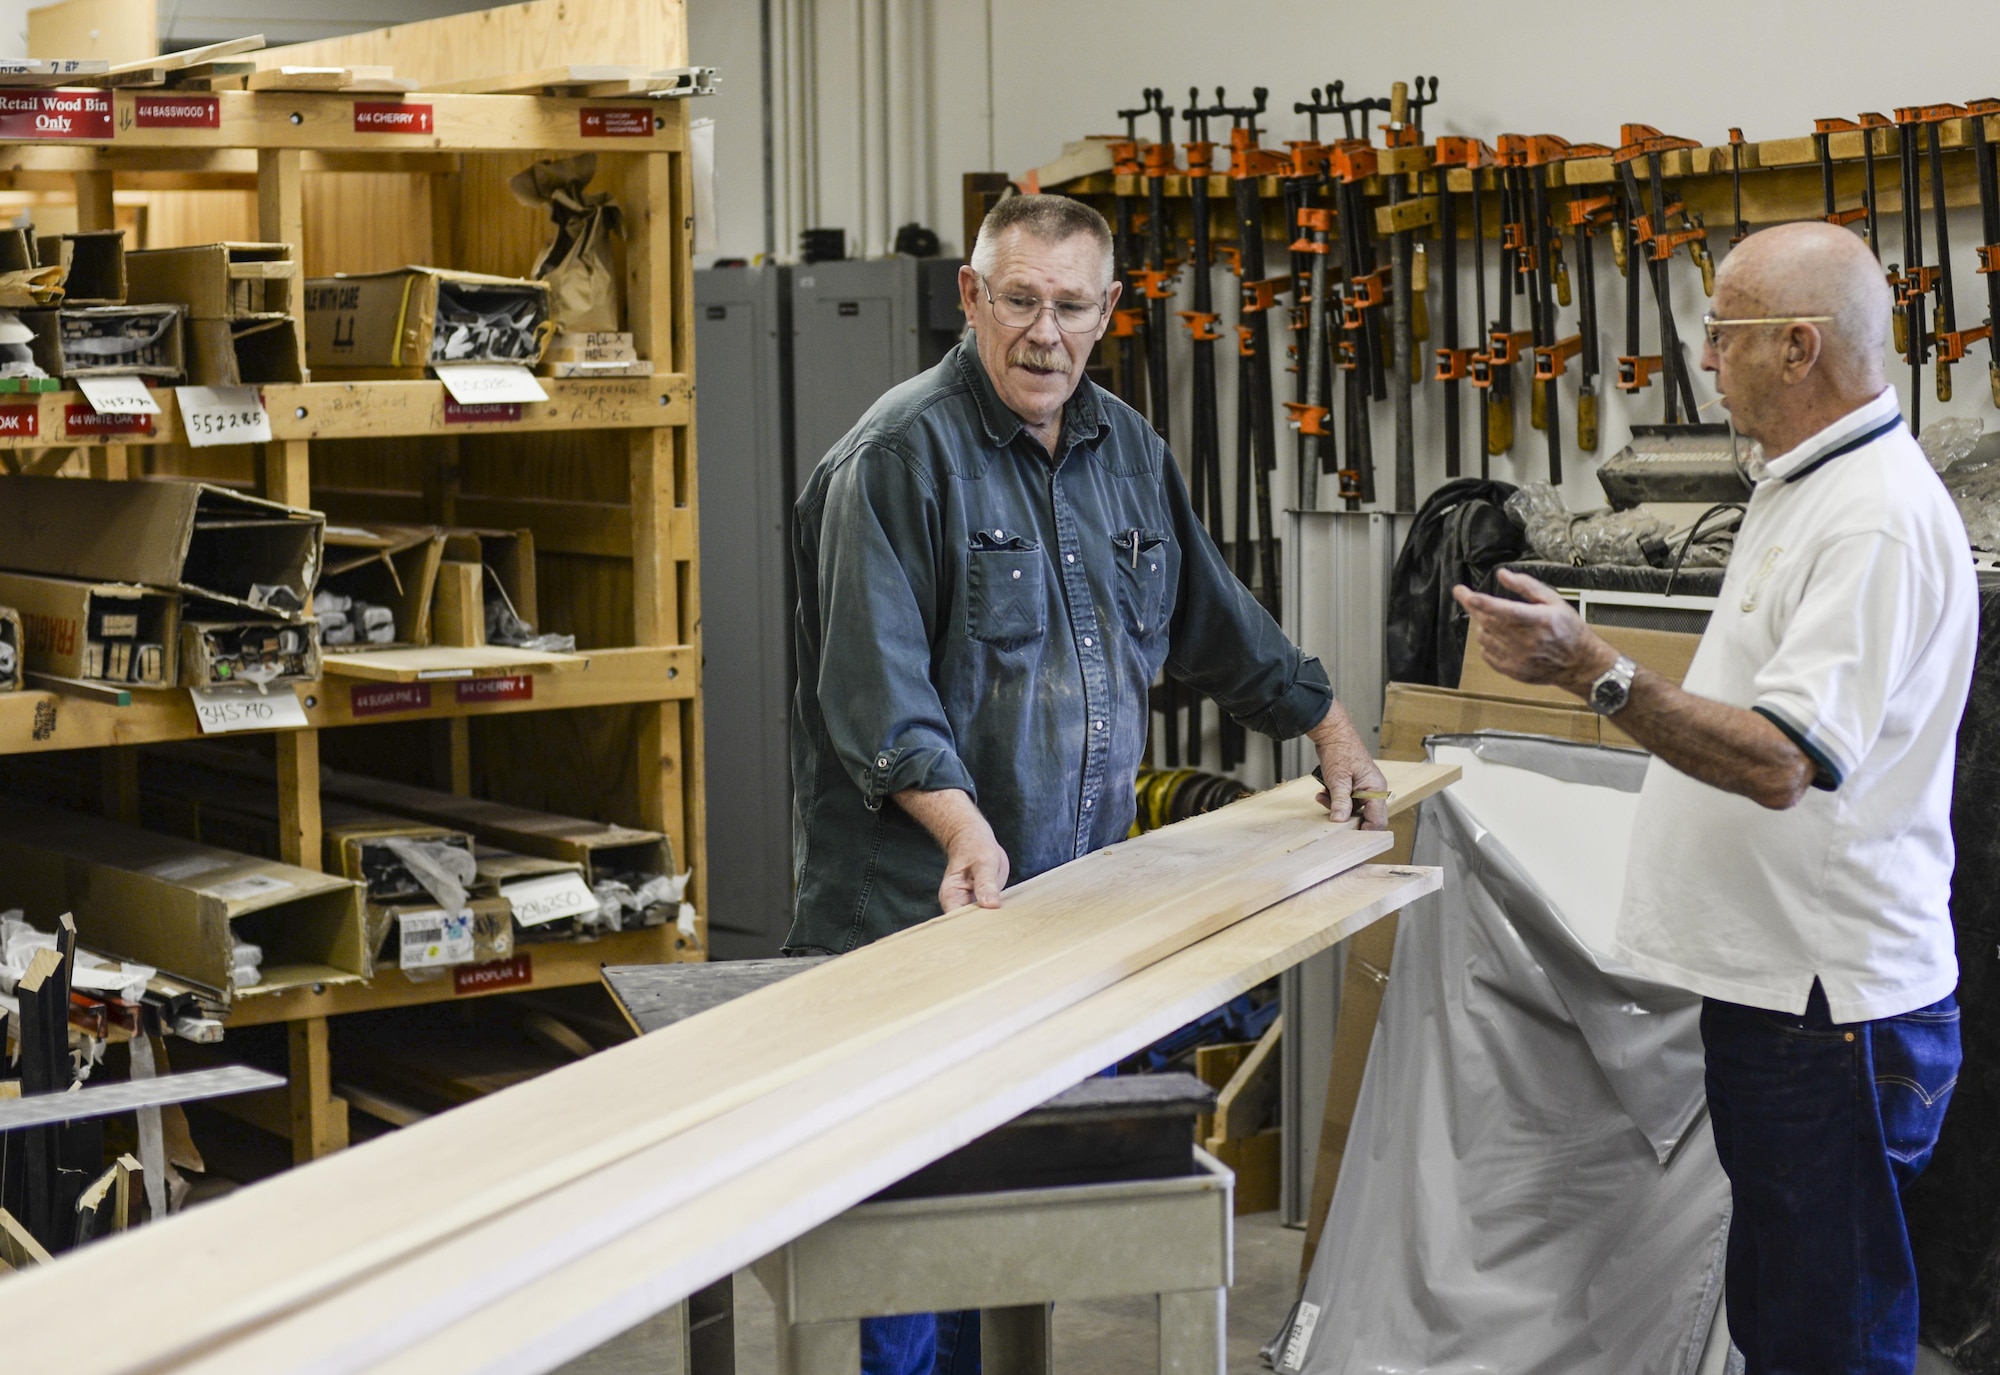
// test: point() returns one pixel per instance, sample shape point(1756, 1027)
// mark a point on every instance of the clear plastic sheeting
point(1560, 535)
point(1530, 1183)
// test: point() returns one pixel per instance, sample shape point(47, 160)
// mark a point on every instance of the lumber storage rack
point(602, 473)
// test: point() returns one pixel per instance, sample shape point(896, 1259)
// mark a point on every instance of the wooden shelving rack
point(603, 473)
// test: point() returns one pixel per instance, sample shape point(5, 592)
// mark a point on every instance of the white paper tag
point(434, 938)
point(180, 870)
point(223, 415)
point(549, 898)
point(118, 395)
point(220, 710)
point(249, 886)
point(487, 384)
point(1294, 1357)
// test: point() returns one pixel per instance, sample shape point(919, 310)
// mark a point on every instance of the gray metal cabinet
point(743, 419)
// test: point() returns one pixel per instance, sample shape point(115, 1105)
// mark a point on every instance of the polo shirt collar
point(1851, 431)
point(1083, 413)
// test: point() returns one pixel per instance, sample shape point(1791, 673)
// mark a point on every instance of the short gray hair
point(1052, 219)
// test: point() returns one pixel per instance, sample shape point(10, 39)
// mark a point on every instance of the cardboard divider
point(386, 565)
point(93, 264)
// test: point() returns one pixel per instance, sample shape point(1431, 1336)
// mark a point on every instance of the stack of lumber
point(523, 1229)
point(586, 80)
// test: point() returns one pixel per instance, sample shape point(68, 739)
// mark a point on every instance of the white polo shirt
point(1848, 618)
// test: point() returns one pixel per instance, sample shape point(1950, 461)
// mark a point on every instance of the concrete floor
point(1111, 1337)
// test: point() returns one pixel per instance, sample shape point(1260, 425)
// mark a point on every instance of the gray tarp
point(1530, 1184)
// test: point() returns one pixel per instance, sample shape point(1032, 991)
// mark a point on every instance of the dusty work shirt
point(1848, 618)
point(976, 614)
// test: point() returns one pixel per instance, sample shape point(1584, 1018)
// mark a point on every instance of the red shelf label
point(177, 111)
point(518, 687)
point(480, 412)
point(391, 117)
point(20, 422)
point(55, 114)
point(484, 978)
point(81, 419)
point(615, 121)
point(380, 699)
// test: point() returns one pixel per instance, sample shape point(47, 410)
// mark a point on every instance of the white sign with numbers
point(489, 384)
point(118, 395)
point(223, 415)
point(219, 710)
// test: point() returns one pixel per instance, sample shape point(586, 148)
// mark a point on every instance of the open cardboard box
point(203, 540)
point(93, 264)
point(179, 905)
point(249, 351)
point(94, 632)
point(215, 281)
point(403, 321)
point(109, 341)
point(387, 565)
point(11, 649)
point(218, 649)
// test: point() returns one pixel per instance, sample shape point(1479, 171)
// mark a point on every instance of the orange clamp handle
point(1156, 282)
point(1915, 282)
point(1352, 159)
point(1308, 419)
point(1261, 296)
point(1636, 373)
point(1316, 219)
point(1246, 341)
point(1989, 257)
point(1246, 159)
point(1126, 324)
point(1201, 325)
point(1346, 356)
point(1453, 365)
point(1847, 217)
point(1552, 360)
point(1951, 346)
point(1504, 346)
point(1159, 159)
point(1481, 370)
point(1200, 159)
point(1125, 159)
point(1592, 210)
point(1230, 256)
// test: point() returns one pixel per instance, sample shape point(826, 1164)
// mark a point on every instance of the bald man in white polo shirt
point(1792, 857)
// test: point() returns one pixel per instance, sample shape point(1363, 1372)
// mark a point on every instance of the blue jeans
point(1820, 1127)
point(921, 1344)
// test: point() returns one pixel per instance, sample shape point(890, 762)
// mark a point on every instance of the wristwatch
point(1610, 693)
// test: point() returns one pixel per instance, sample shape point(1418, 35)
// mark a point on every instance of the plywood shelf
point(449, 663)
point(553, 964)
point(31, 721)
point(362, 410)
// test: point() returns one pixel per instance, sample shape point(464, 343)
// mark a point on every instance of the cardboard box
point(206, 541)
point(98, 632)
point(386, 565)
point(601, 848)
point(413, 317)
point(93, 264)
point(546, 896)
point(492, 929)
point(11, 649)
point(179, 905)
point(1666, 652)
point(109, 341)
point(234, 650)
point(458, 609)
point(215, 281)
point(354, 849)
point(249, 351)
point(1412, 712)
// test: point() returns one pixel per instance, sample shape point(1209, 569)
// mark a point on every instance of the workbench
point(1099, 1193)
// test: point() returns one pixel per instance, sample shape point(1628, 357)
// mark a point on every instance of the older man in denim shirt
point(993, 566)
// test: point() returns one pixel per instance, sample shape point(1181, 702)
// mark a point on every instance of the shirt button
point(1017, 573)
point(998, 535)
point(1097, 725)
point(1154, 566)
point(883, 762)
point(1086, 807)
point(1086, 642)
point(1069, 558)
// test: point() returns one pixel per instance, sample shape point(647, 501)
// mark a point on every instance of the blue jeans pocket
point(1916, 1060)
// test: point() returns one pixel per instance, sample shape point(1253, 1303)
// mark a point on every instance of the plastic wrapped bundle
point(1558, 535)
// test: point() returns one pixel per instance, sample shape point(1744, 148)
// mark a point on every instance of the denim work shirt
point(976, 614)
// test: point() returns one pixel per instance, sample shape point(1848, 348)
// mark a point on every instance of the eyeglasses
point(1017, 311)
point(1710, 324)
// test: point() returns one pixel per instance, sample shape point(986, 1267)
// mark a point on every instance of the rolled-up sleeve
point(1226, 644)
point(879, 602)
point(1867, 609)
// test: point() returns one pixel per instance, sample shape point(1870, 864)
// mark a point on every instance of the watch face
point(1608, 695)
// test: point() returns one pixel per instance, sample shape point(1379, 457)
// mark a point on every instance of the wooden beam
point(763, 1075)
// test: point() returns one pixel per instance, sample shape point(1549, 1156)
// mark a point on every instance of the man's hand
point(1346, 767)
point(975, 867)
point(1540, 641)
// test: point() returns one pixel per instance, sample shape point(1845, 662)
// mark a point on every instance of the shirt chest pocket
point(1141, 558)
point(1005, 604)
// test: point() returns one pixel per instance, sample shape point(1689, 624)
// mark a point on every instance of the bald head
point(1805, 269)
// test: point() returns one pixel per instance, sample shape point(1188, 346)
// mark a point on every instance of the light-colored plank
point(114, 31)
point(191, 57)
point(531, 83)
point(617, 1280)
point(508, 38)
point(1245, 1100)
point(833, 1040)
point(436, 663)
point(18, 1246)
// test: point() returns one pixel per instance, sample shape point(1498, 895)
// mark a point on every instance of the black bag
point(1461, 535)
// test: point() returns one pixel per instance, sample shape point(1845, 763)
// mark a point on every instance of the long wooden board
point(528, 1318)
point(834, 1040)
